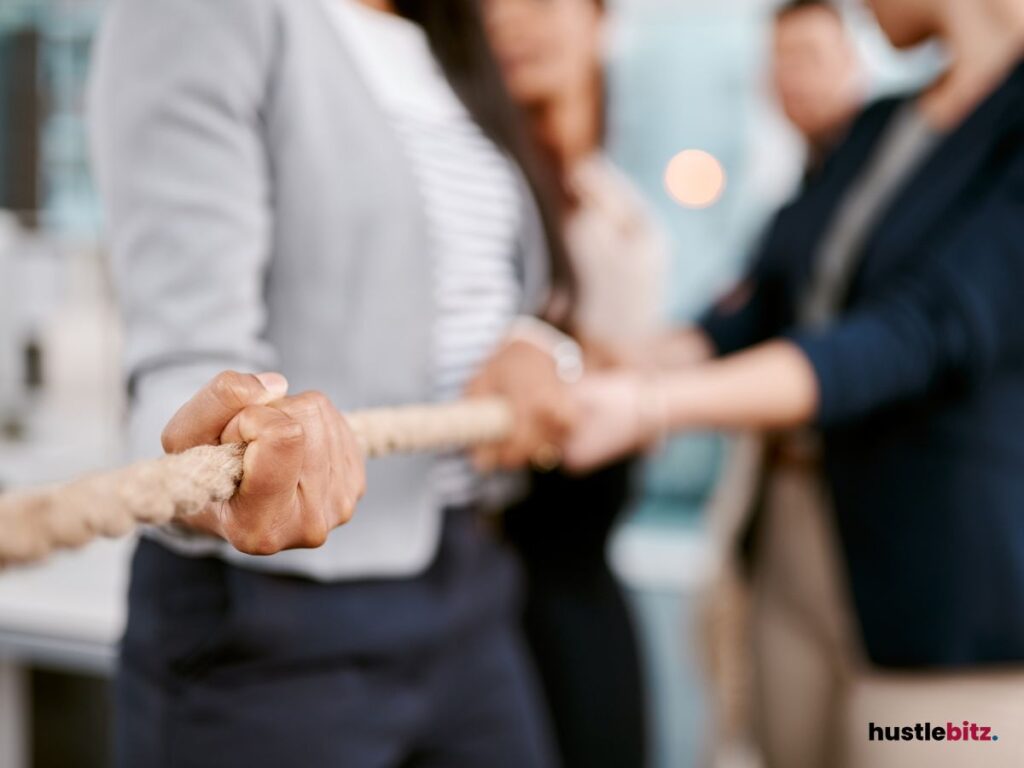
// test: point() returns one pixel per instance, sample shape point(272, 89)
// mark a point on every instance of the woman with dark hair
point(338, 191)
point(576, 617)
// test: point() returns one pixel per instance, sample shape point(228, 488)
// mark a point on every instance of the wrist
point(563, 350)
point(207, 521)
point(652, 410)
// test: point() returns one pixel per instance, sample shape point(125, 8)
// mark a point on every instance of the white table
point(67, 614)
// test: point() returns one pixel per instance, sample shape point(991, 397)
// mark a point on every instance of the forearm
point(684, 347)
point(770, 386)
point(666, 351)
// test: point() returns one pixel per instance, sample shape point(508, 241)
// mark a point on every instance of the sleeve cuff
point(815, 348)
point(722, 333)
point(858, 369)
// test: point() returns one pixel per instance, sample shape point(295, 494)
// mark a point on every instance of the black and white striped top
point(473, 202)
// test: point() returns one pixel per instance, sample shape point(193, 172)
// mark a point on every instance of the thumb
point(275, 384)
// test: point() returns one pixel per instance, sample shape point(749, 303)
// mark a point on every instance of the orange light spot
point(695, 179)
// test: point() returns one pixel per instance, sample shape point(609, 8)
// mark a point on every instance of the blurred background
point(684, 75)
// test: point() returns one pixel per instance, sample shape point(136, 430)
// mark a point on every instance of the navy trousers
point(227, 667)
point(577, 621)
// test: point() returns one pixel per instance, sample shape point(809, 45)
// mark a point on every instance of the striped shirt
point(472, 199)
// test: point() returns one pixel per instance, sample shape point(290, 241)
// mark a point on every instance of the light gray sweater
point(261, 217)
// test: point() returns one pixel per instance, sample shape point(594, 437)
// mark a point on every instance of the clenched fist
point(527, 377)
point(303, 471)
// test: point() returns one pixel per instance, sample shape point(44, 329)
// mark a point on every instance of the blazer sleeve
point(174, 107)
point(755, 309)
point(956, 319)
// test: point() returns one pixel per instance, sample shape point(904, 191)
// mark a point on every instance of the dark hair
point(793, 6)
point(458, 40)
point(567, 198)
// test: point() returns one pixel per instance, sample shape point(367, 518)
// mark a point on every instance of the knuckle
point(312, 398)
point(287, 433)
point(320, 400)
point(256, 542)
point(346, 511)
point(315, 535)
point(308, 406)
point(228, 386)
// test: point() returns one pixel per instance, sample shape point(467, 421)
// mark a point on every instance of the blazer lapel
point(802, 225)
point(941, 192)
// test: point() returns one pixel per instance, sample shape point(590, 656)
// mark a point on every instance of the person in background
point(816, 73)
point(337, 190)
point(879, 335)
point(819, 83)
point(576, 617)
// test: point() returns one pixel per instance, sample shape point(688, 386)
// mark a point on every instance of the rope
point(112, 504)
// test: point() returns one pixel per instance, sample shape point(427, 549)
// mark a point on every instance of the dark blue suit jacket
point(922, 385)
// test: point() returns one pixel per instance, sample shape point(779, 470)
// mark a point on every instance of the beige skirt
point(817, 702)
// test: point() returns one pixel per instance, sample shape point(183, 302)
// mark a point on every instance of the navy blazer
point(922, 385)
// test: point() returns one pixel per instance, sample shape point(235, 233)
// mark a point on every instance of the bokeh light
point(695, 179)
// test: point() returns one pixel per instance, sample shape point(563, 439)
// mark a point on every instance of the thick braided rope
point(112, 504)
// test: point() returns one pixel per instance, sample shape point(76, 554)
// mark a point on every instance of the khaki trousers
point(814, 694)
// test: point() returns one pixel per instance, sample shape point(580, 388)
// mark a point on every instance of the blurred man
point(816, 72)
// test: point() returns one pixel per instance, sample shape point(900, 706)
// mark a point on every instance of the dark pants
point(576, 619)
point(227, 667)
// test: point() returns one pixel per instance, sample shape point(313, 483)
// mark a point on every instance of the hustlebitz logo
point(968, 731)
